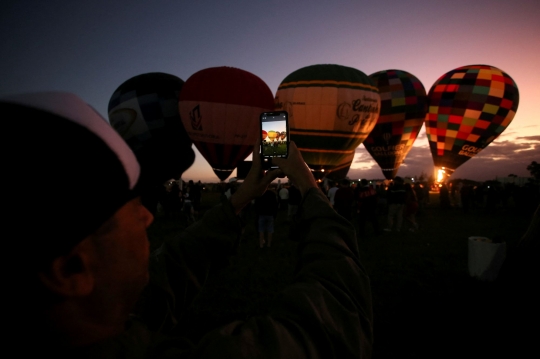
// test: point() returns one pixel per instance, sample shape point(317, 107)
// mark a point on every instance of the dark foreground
point(426, 305)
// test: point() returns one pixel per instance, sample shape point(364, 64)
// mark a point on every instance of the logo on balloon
point(122, 120)
point(387, 136)
point(469, 151)
point(196, 119)
point(391, 150)
point(344, 109)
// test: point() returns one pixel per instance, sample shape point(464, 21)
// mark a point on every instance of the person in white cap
point(81, 258)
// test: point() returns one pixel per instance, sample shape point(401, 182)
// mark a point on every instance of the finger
point(276, 161)
point(271, 175)
point(256, 156)
point(292, 146)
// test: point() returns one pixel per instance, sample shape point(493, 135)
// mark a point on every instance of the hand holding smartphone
point(274, 136)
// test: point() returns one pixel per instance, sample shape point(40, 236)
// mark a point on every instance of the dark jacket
point(396, 194)
point(267, 204)
point(366, 198)
point(325, 313)
point(295, 197)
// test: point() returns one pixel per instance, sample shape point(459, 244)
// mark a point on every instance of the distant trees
point(534, 169)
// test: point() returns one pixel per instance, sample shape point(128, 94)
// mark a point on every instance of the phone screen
point(275, 134)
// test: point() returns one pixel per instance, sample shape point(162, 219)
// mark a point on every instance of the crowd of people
point(366, 202)
point(489, 196)
point(396, 205)
point(180, 199)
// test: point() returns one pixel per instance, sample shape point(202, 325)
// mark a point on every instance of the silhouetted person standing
point(411, 207)
point(344, 199)
point(295, 198)
point(396, 203)
point(332, 192)
point(266, 207)
point(444, 195)
point(367, 202)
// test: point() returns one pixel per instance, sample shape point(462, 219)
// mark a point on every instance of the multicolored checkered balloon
point(403, 110)
point(469, 107)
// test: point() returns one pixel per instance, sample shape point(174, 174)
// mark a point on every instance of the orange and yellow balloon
point(332, 109)
point(272, 135)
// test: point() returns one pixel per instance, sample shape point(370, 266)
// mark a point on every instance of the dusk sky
point(91, 47)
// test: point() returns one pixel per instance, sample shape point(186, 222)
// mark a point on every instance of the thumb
point(272, 175)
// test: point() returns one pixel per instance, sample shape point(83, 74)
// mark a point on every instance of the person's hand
point(255, 183)
point(296, 169)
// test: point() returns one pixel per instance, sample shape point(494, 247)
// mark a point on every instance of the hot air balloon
point(264, 134)
point(144, 111)
point(272, 135)
point(332, 109)
point(220, 108)
point(403, 110)
point(469, 107)
point(341, 170)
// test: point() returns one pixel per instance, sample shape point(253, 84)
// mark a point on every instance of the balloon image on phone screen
point(274, 135)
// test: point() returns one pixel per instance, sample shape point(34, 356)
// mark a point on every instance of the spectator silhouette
point(344, 199)
point(266, 207)
point(444, 196)
point(367, 202)
point(332, 192)
point(411, 207)
point(396, 203)
point(295, 198)
point(283, 198)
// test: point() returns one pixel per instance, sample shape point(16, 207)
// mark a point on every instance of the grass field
point(279, 150)
point(425, 302)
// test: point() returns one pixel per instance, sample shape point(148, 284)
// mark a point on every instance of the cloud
point(499, 159)
point(529, 138)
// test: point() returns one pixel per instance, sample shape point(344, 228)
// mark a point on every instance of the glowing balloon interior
point(332, 109)
point(469, 107)
point(220, 109)
point(403, 110)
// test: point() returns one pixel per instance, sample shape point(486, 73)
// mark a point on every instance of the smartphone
point(274, 136)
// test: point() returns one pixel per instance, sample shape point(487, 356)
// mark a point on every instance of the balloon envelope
point(341, 170)
point(403, 110)
point(144, 111)
point(220, 108)
point(332, 109)
point(272, 135)
point(469, 107)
